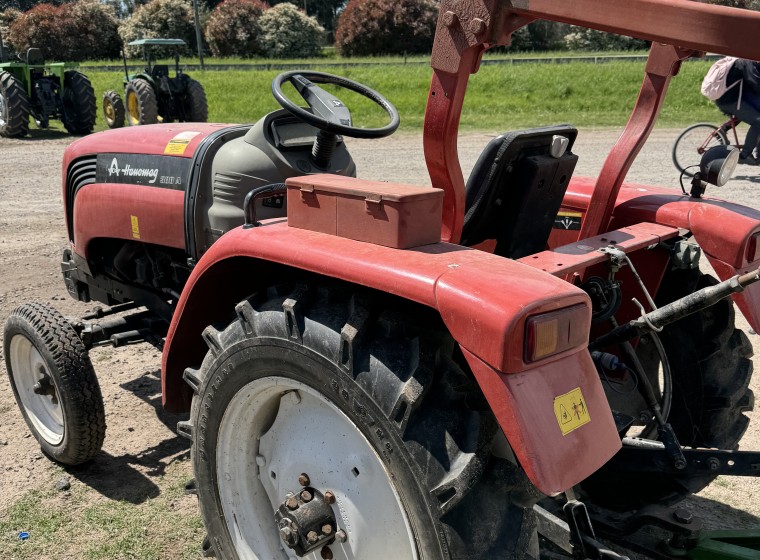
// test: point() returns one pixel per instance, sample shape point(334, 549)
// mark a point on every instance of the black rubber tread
point(17, 104)
point(197, 106)
point(70, 367)
point(711, 367)
point(400, 368)
point(113, 99)
point(79, 102)
point(147, 102)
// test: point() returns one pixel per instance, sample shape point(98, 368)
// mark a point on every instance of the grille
point(81, 172)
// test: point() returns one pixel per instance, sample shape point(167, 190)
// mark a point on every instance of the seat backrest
point(160, 70)
point(516, 189)
point(34, 57)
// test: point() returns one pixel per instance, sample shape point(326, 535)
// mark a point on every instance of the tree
point(325, 11)
point(287, 31)
point(172, 19)
point(233, 28)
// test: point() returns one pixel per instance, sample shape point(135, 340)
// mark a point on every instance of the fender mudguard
point(728, 233)
point(483, 300)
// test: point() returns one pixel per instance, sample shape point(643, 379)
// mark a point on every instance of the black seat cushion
point(516, 188)
point(34, 57)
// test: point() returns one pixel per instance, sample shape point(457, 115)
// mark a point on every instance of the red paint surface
point(524, 404)
point(106, 210)
point(483, 300)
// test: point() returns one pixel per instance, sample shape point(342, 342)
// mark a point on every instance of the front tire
point(79, 103)
point(14, 107)
point(113, 109)
point(142, 104)
point(692, 143)
point(371, 405)
point(54, 384)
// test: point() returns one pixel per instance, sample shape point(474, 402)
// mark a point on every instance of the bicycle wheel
point(693, 142)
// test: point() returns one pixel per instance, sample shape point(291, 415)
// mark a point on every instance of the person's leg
point(750, 114)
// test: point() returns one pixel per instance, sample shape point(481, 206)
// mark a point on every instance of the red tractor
point(390, 371)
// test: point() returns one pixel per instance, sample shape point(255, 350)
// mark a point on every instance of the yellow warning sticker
point(135, 227)
point(571, 411)
point(178, 144)
point(570, 214)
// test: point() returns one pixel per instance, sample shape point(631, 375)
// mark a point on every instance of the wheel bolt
point(37, 389)
point(340, 536)
point(713, 464)
point(304, 479)
point(682, 516)
point(291, 503)
point(326, 529)
point(288, 536)
point(329, 498)
point(312, 537)
point(306, 496)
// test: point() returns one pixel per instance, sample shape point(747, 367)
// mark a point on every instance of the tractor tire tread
point(78, 385)
point(146, 101)
point(80, 104)
point(18, 107)
point(197, 105)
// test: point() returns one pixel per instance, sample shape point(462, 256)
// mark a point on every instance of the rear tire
point(113, 109)
point(142, 105)
point(711, 369)
point(79, 103)
point(14, 107)
point(196, 104)
point(54, 384)
point(370, 403)
point(686, 148)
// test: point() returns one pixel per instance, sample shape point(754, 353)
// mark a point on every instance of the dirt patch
point(142, 457)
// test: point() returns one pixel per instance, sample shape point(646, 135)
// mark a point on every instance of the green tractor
point(152, 96)
point(31, 87)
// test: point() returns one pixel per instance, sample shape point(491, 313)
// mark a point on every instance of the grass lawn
point(500, 96)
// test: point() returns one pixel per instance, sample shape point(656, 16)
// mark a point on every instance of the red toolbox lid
point(372, 190)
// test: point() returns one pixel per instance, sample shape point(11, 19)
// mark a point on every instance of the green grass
point(499, 97)
point(89, 527)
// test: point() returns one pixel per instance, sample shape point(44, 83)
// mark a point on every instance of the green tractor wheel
point(79, 103)
point(142, 105)
point(113, 109)
point(197, 106)
point(14, 107)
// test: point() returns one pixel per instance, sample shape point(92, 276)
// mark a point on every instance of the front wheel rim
point(36, 390)
point(3, 110)
point(273, 430)
point(133, 108)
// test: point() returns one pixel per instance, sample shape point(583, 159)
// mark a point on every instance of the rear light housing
point(753, 247)
point(552, 333)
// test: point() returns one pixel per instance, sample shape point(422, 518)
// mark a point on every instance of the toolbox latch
point(371, 199)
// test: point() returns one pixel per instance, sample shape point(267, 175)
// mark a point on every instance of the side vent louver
point(80, 173)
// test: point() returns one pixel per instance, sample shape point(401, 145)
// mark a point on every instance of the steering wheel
point(328, 113)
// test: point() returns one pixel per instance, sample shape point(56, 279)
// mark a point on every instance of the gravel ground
point(141, 444)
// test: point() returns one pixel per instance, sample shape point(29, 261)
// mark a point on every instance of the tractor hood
point(179, 140)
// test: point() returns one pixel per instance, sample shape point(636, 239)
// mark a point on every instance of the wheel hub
point(306, 520)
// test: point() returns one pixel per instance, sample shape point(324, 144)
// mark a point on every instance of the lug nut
point(477, 26)
point(450, 19)
point(291, 503)
point(682, 516)
point(329, 498)
point(326, 529)
point(306, 496)
point(304, 480)
point(288, 536)
point(340, 536)
point(312, 537)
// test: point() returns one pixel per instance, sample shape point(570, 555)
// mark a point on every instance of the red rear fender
point(484, 301)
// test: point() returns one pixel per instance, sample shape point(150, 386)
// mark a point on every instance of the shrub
point(42, 27)
point(369, 27)
point(94, 31)
point(233, 28)
point(288, 32)
point(584, 39)
point(165, 19)
point(7, 18)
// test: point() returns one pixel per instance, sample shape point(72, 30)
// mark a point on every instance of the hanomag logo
point(129, 171)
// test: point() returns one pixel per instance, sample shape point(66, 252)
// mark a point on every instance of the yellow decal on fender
point(571, 411)
point(178, 144)
point(135, 227)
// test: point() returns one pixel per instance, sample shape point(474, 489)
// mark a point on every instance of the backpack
point(715, 83)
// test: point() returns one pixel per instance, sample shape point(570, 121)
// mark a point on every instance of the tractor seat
point(516, 189)
point(34, 57)
point(160, 70)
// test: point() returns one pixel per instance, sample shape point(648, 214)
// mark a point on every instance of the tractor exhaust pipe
point(693, 303)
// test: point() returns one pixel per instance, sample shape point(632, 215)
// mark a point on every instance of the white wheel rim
point(3, 118)
point(273, 430)
point(44, 411)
